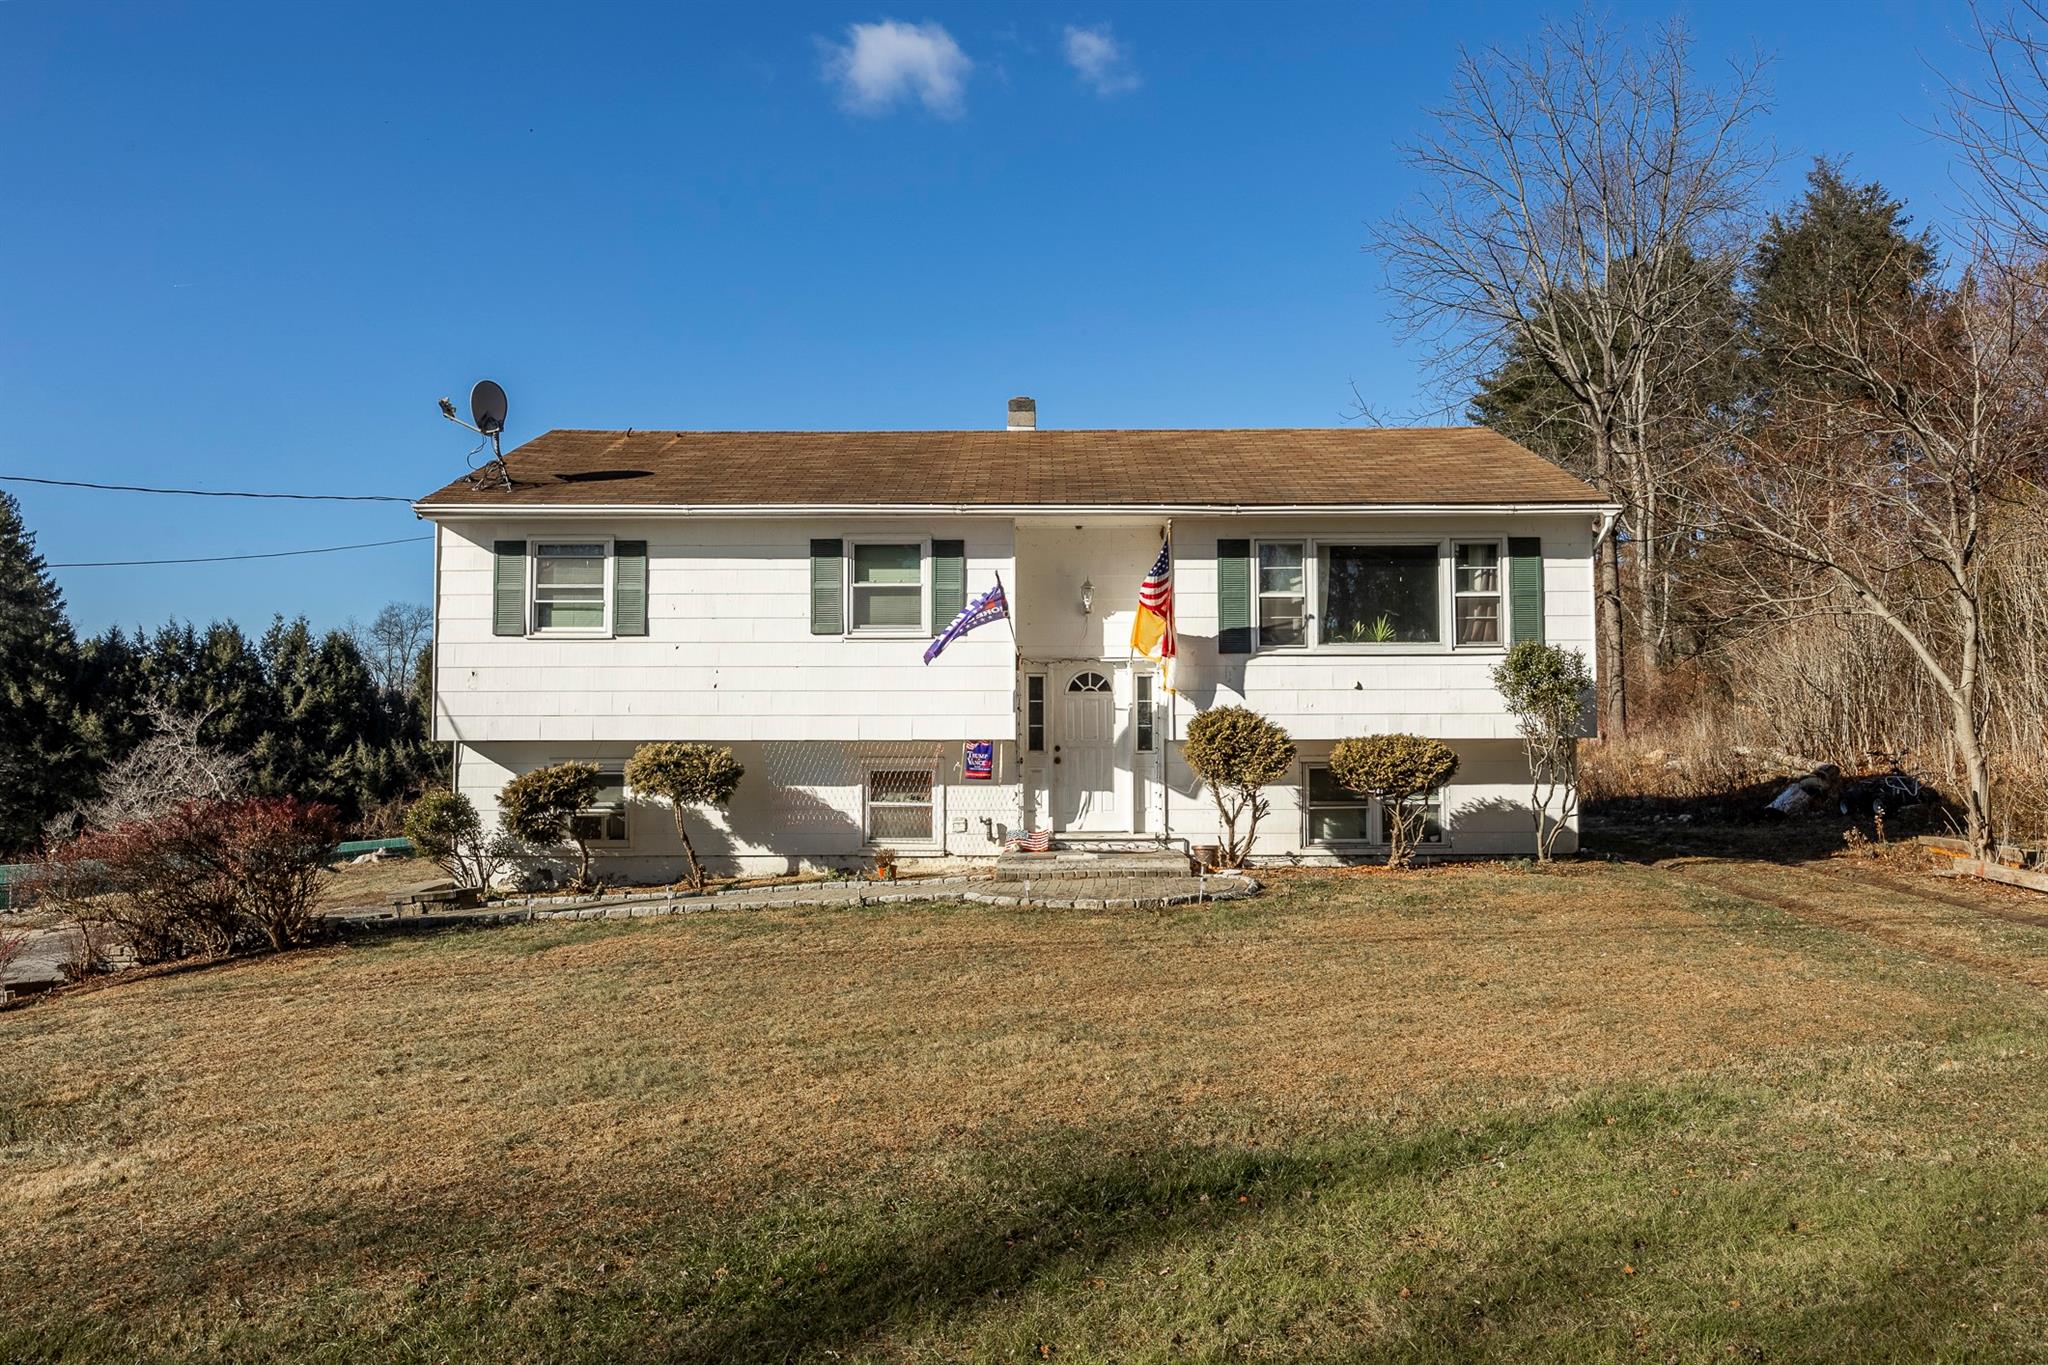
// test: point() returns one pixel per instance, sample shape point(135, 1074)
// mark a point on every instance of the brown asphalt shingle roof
point(1252, 468)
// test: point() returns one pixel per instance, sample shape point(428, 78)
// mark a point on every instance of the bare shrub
point(201, 879)
point(276, 851)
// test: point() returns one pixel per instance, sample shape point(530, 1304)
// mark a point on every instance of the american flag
point(1156, 592)
point(1152, 632)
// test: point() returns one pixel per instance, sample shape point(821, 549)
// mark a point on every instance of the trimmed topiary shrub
point(1394, 770)
point(1238, 753)
point(539, 808)
point(685, 775)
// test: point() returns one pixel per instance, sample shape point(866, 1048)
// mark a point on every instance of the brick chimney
point(1023, 414)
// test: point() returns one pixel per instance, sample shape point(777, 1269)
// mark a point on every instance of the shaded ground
point(1601, 1111)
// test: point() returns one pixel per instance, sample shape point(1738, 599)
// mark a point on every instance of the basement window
point(603, 821)
point(899, 802)
point(1338, 815)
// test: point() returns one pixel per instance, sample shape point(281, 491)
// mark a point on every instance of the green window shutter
point(1525, 588)
point(629, 587)
point(1234, 596)
point(508, 588)
point(949, 582)
point(828, 587)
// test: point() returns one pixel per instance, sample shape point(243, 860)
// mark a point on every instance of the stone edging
point(665, 894)
point(683, 905)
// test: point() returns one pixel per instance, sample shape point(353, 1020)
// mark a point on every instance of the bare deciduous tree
point(1585, 202)
point(1881, 490)
point(1999, 121)
point(171, 766)
point(391, 644)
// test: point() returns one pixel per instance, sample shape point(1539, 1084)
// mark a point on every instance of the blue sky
point(247, 246)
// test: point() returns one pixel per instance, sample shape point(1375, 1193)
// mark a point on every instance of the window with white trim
point(887, 587)
point(1430, 805)
point(1380, 594)
point(571, 587)
point(1338, 815)
point(604, 820)
point(1476, 591)
point(1143, 713)
point(1034, 713)
point(899, 806)
point(1283, 594)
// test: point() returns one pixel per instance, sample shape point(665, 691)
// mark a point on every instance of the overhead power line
point(204, 492)
point(220, 559)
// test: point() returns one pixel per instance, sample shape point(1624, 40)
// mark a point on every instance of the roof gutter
point(501, 511)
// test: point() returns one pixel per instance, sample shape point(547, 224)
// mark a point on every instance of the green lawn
point(1709, 1111)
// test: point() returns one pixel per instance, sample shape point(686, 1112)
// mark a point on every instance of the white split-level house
point(775, 591)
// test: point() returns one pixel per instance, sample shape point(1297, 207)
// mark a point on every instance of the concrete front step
point(1070, 863)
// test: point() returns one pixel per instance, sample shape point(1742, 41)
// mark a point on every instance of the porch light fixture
point(1087, 597)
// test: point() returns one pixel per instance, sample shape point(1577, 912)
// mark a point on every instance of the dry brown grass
point(229, 1135)
point(373, 883)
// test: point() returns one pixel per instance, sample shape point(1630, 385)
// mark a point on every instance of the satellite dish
point(487, 407)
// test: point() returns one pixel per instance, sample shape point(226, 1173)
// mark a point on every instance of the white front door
point(1084, 751)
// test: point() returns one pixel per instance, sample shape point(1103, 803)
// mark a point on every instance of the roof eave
point(466, 511)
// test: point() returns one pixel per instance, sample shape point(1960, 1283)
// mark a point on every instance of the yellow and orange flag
point(1152, 633)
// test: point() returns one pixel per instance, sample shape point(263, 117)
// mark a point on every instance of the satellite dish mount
point(486, 419)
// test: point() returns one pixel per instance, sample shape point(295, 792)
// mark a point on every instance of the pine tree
point(1841, 248)
point(43, 757)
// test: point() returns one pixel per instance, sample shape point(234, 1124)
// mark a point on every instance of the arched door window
point(1088, 682)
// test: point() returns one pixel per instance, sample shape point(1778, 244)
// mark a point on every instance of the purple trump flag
point(990, 606)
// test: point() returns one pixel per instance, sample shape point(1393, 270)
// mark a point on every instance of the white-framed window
point(608, 819)
point(1337, 815)
point(1090, 681)
point(1380, 594)
point(885, 587)
point(1144, 713)
point(1476, 598)
point(1283, 594)
point(1034, 713)
point(571, 586)
point(1431, 807)
point(902, 805)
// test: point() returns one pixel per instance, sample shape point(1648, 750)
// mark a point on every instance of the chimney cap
point(1023, 414)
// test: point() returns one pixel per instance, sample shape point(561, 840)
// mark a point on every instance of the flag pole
point(1166, 744)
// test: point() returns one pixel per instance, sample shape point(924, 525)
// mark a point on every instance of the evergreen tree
point(109, 695)
point(44, 763)
point(1840, 248)
point(329, 738)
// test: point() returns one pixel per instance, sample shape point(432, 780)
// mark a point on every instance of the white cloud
point(1100, 60)
point(883, 63)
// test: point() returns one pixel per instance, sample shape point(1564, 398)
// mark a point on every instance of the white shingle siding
point(729, 657)
point(728, 653)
